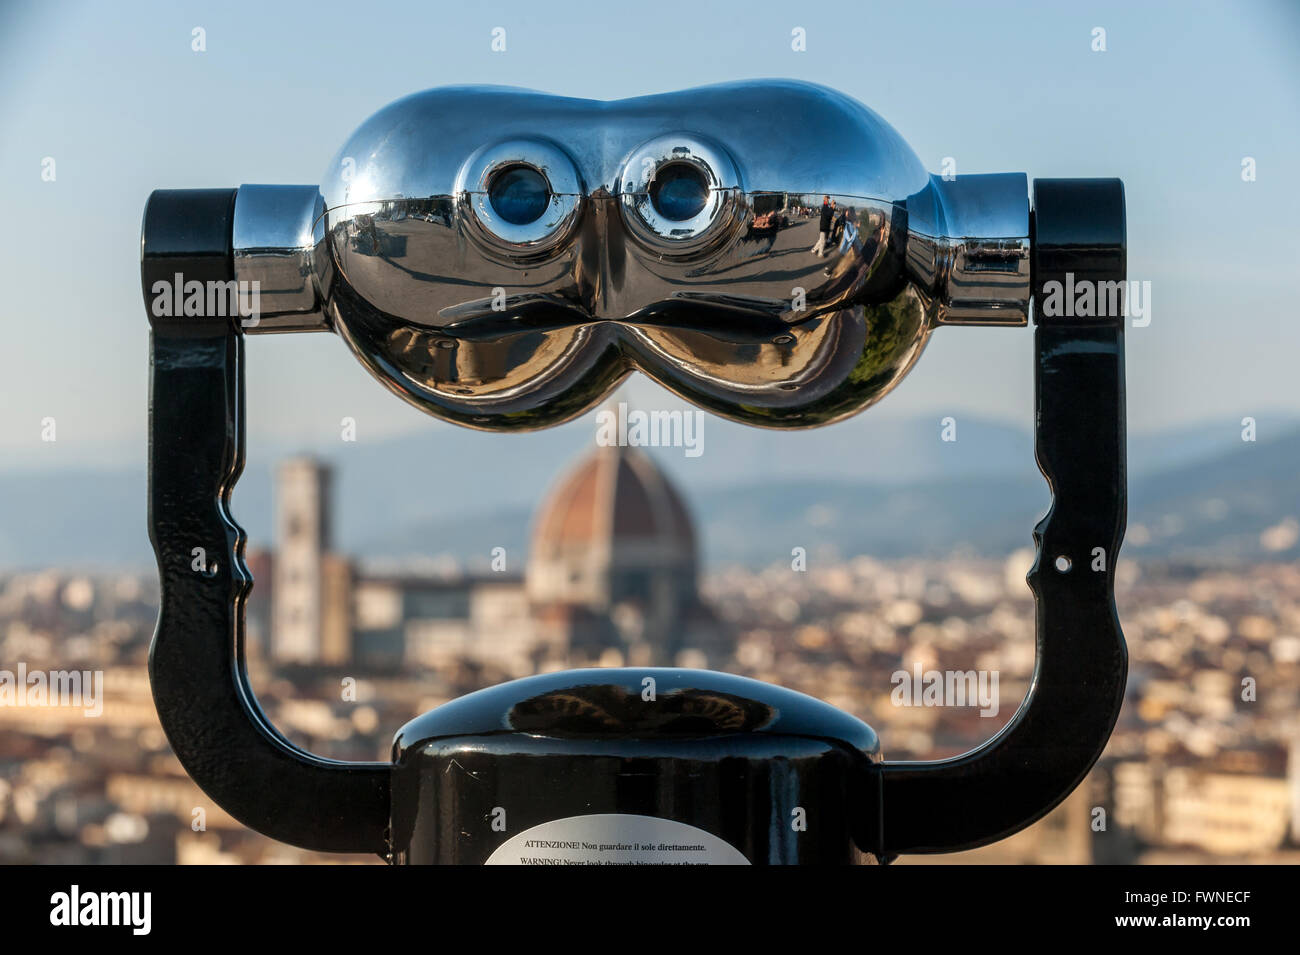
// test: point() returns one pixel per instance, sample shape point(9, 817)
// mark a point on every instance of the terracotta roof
point(614, 493)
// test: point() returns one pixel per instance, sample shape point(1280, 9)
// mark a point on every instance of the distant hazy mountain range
point(888, 488)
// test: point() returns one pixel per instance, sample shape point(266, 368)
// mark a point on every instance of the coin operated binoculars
point(503, 259)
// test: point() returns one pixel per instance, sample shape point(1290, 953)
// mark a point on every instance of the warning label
point(615, 839)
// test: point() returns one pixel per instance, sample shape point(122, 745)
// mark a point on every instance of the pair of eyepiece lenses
point(520, 194)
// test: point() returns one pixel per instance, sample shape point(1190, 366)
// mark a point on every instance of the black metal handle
point(1079, 676)
point(196, 454)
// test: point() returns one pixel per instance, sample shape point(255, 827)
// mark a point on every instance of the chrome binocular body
point(502, 258)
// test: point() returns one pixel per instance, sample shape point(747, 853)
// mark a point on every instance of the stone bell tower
point(302, 542)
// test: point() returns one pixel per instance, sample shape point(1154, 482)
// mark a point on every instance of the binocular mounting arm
point(196, 662)
point(1081, 662)
point(225, 742)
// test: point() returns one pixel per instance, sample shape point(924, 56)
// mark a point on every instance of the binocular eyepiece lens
point(679, 191)
point(519, 194)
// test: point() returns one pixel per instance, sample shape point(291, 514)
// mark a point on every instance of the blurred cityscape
point(1204, 765)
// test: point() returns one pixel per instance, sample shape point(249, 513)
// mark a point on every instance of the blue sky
point(115, 94)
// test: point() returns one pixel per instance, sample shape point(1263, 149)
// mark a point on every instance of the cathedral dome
point(614, 494)
point(613, 515)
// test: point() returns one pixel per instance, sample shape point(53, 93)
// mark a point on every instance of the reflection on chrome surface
point(598, 709)
point(679, 235)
